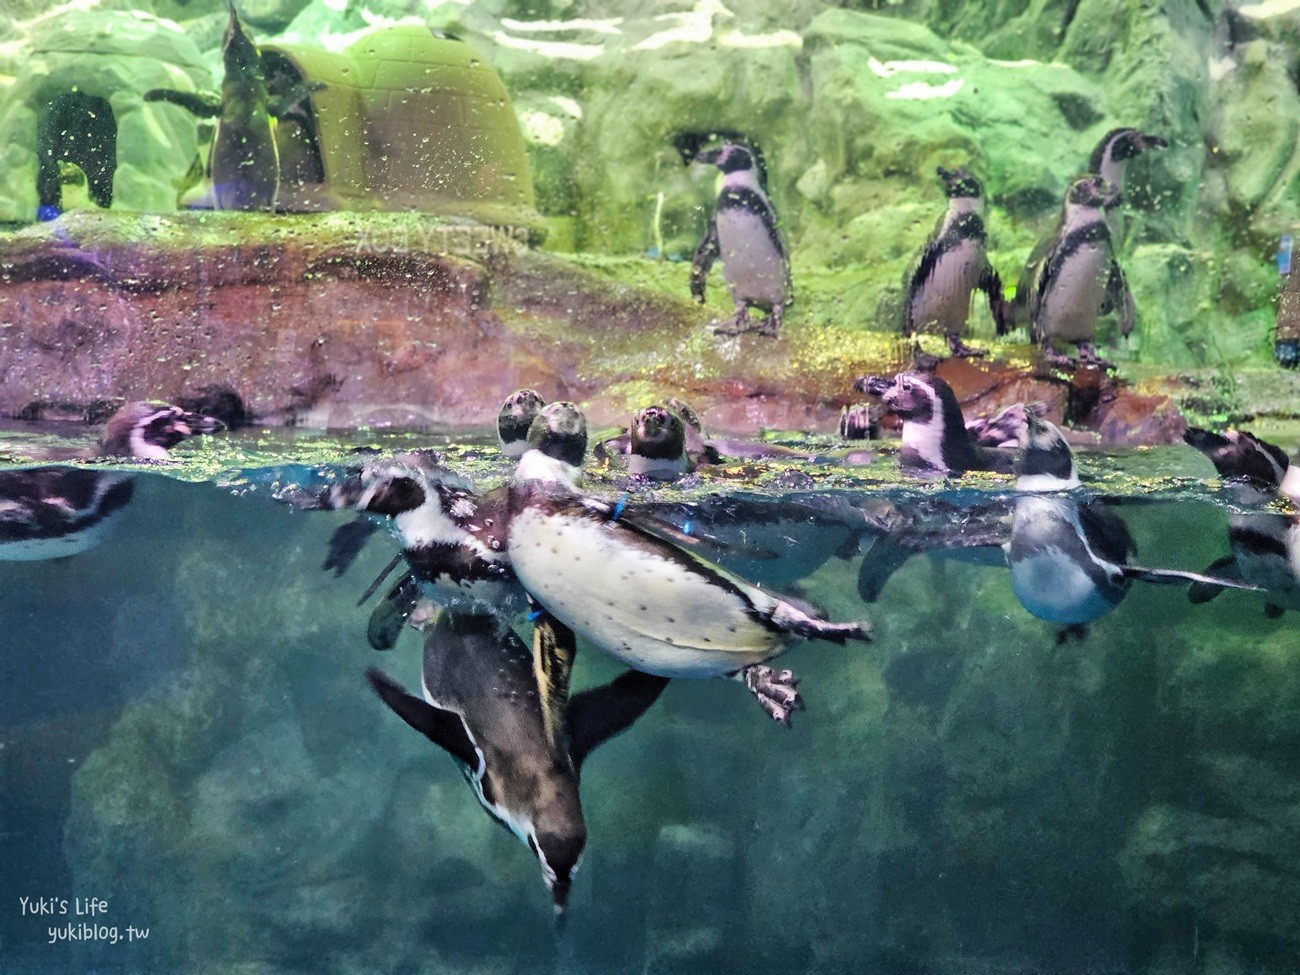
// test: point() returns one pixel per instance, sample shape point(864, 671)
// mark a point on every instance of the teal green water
point(188, 737)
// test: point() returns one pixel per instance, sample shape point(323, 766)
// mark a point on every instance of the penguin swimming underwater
point(1079, 276)
point(1069, 559)
point(244, 162)
point(935, 438)
point(1265, 546)
point(952, 264)
point(481, 705)
point(648, 602)
point(743, 232)
point(54, 512)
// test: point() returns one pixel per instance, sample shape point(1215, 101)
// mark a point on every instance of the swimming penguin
point(244, 162)
point(1069, 559)
point(482, 706)
point(54, 512)
point(1079, 275)
point(1265, 545)
point(514, 418)
point(1006, 427)
point(951, 266)
point(935, 438)
point(743, 232)
point(651, 604)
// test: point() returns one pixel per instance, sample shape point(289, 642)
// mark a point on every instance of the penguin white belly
point(942, 301)
point(1069, 308)
point(751, 266)
point(657, 613)
point(60, 546)
point(1054, 587)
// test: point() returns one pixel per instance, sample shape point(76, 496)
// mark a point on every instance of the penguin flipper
point(197, 104)
point(598, 714)
point(554, 646)
point(990, 283)
point(879, 564)
point(444, 728)
point(1120, 299)
point(1203, 592)
point(1176, 577)
point(346, 544)
point(708, 252)
point(386, 622)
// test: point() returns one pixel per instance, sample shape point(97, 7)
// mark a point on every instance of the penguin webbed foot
point(1058, 360)
point(737, 324)
point(1075, 631)
point(963, 351)
point(775, 691)
point(1088, 357)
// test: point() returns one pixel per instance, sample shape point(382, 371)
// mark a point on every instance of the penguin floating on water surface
point(1069, 558)
point(743, 232)
point(54, 512)
point(951, 266)
point(244, 162)
point(646, 601)
point(482, 705)
point(1265, 545)
point(935, 438)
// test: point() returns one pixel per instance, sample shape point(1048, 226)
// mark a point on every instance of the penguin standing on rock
point(743, 232)
point(1079, 276)
point(482, 706)
point(952, 265)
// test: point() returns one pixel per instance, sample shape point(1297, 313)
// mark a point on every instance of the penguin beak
point(872, 385)
point(198, 423)
point(709, 157)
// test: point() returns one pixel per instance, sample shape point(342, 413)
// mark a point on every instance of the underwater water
point(190, 746)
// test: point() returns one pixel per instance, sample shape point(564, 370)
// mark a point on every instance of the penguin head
point(658, 432)
point(514, 419)
point(730, 158)
point(239, 55)
point(685, 412)
point(1046, 462)
point(960, 184)
point(558, 839)
point(147, 431)
point(1090, 191)
point(916, 397)
point(557, 446)
point(1119, 145)
point(1242, 457)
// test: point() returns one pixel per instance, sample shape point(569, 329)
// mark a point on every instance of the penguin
point(1006, 427)
point(654, 605)
point(52, 512)
point(1109, 160)
point(1265, 546)
point(743, 232)
point(657, 447)
point(514, 418)
point(244, 161)
point(1079, 275)
point(952, 264)
point(481, 705)
point(859, 422)
point(935, 438)
point(1069, 558)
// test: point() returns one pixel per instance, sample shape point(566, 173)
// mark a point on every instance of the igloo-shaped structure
point(80, 98)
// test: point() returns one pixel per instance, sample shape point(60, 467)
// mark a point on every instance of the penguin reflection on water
point(743, 232)
point(53, 512)
point(646, 601)
point(1265, 545)
point(1069, 558)
point(482, 706)
point(951, 266)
